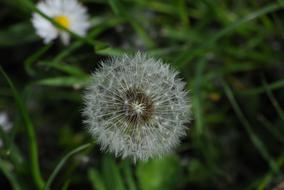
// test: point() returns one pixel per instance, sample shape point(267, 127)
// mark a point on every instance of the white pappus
point(136, 107)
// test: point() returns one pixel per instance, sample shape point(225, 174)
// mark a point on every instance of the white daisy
point(68, 13)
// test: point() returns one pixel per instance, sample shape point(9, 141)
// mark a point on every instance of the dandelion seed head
point(136, 107)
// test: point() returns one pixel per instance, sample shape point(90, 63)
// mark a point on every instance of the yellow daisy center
point(62, 20)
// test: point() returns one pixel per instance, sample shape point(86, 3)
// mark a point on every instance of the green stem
point(62, 162)
point(33, 149)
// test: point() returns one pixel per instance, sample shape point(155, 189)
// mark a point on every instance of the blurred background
point(229, 52)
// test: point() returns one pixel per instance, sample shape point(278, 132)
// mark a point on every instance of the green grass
point(230, 53)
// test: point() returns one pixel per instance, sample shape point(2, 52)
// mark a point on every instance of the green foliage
point(13, 35)
point(230, 53)
point(159, 174)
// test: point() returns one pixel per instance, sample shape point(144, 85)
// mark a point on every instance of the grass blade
point(112, 175)
point(62, 162)
point(271, 128)
point(4, 166)
point(34, 57)
point(33, 149)
point(255, 140)
point(272, 86)
point(196, 101)
point(118, 9)
point(129, 175)
point(96, 180)
point(64, 81)
point(185, 57)
point(274, 102)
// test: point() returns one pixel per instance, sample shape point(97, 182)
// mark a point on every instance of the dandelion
point(67, 13)
point(136, 107)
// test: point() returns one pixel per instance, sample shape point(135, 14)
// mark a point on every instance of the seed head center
point(138, 108)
